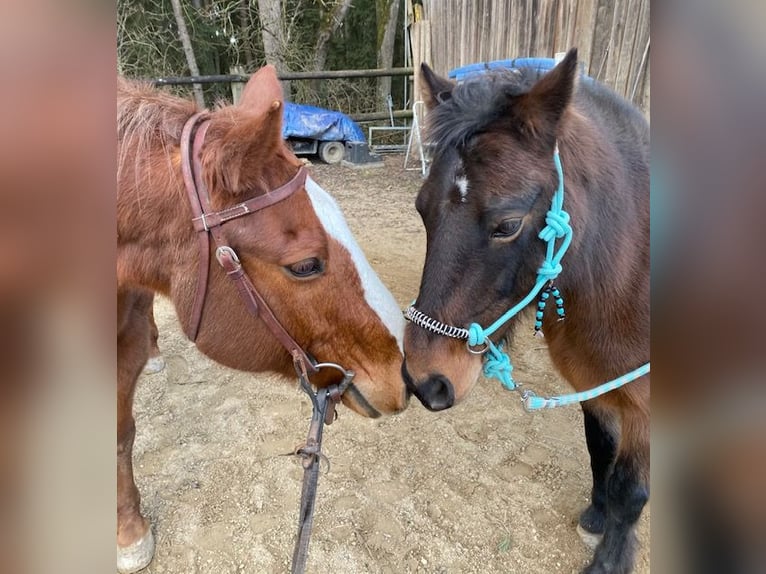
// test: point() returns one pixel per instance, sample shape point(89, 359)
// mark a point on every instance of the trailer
point(328, 134)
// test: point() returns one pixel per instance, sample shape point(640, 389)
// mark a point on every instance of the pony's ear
point(261, 91)
point(239, 145)
point(435, 88)
point(539, 111)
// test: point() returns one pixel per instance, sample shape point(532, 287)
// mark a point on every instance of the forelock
point(475, 104)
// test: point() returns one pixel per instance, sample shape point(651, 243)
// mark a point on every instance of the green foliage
point(226, 33)
point(354, 47)
point(147, 39)
point(148, 44)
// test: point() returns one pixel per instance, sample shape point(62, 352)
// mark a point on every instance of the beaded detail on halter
point(430, 324)
point(544, 296)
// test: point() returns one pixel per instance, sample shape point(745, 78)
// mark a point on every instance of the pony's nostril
point(437, 393)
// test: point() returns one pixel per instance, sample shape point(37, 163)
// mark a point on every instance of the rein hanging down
point(323, 403)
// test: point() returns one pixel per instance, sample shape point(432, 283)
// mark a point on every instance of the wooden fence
point(612, 36)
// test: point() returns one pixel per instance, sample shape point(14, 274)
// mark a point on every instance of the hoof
point(136, 556)
point(154, 365)
point(590, 539)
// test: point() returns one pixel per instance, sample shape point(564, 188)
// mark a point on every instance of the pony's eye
point(508, 228)
point(306, 268)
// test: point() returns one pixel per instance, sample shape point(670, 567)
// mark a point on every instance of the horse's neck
point(605, 277)
point(606, 299)
point(153, 221)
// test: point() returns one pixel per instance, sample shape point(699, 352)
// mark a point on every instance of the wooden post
point(236, 87)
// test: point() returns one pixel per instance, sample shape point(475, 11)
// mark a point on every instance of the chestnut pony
point(298, 252)
point(484, 203)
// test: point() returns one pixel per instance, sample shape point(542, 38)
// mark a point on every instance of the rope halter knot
point(557, 225)
point(476, 335)
point(497, 364)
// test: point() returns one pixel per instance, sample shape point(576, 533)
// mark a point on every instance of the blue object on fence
point(540, 64)
point(310, 122)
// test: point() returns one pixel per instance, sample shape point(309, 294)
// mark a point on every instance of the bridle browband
point(208, 222)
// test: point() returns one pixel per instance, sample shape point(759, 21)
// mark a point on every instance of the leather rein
point(208, 222)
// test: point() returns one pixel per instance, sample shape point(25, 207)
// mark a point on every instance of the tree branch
point(183, 34)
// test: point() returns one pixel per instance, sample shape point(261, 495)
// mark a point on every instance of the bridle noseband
point(208, 222)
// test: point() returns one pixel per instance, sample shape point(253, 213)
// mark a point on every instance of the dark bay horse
point(297, 251)
point(483, 205)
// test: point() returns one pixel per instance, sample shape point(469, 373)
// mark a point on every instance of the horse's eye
point(508, 228)
point(306, 268)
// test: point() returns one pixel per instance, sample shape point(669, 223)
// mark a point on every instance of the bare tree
point(273, 32)
point(328, 25)
point(388, 17)
point(191, 61)
point(327, 28)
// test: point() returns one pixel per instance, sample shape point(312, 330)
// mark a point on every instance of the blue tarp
point(309, 122)
point(540, 64)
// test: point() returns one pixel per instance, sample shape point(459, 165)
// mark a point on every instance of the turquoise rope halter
point(497, 363)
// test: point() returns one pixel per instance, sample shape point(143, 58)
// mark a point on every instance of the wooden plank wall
point(612, 36)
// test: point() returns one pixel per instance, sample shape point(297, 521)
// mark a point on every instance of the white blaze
point(375, 293)
point(462, 186)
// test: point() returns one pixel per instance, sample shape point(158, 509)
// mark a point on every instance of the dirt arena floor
point(481, 488)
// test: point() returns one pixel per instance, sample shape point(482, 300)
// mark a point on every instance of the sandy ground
point(484, 487)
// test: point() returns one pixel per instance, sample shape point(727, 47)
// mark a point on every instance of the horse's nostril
point(437, 393)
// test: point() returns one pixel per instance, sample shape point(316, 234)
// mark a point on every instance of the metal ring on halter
point(480, 351)
point(226, 249)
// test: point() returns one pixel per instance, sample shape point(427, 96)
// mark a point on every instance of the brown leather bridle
point(208, 222)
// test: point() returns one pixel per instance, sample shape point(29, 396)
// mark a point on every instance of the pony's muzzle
point(436, 393)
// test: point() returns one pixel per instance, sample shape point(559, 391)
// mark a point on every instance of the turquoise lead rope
point(532, 402)
point(497, 363)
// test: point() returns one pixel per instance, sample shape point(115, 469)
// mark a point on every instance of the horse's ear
point(540, 110)
point(435, 88)
point(238, 147)
point(261, 91)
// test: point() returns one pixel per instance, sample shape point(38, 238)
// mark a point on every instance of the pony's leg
point(135, 542)
point(156, 361)
point(627, 492)
point(602, 447)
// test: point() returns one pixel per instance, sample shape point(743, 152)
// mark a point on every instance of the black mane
point(475, 104)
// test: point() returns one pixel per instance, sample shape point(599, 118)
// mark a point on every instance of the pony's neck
point(153, 223)
point(609, 211)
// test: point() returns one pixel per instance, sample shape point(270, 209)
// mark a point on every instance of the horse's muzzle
point(353, 392)
point(436, 393)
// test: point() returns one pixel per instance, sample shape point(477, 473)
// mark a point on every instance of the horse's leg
point(627, 492)
point(156, 362)
point(135, 542)
point(602, 446)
